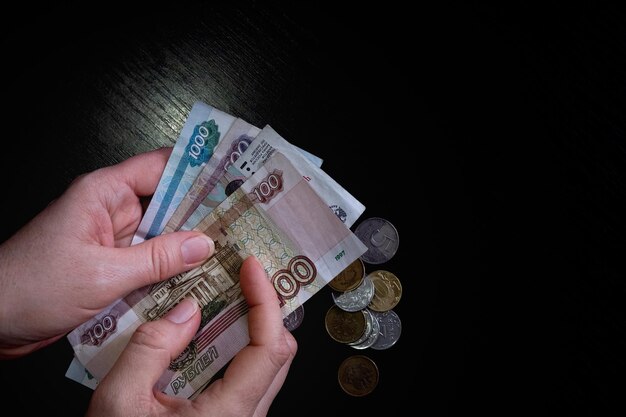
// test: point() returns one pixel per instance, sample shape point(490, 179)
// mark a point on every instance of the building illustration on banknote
point(213, 285)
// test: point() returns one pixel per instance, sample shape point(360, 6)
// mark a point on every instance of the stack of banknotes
point(254, 193)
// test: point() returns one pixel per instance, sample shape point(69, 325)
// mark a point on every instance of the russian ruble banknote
point(345, 206)
point(77, 372)
point(274, 215)
point(233, 145)
point(268, 141)
point(204, 128)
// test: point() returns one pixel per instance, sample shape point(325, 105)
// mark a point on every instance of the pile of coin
point(362, 315)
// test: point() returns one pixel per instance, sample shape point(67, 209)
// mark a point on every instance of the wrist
point(7, 309)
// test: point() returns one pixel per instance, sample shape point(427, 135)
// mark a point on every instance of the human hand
point(73, 259)
point(250, 383)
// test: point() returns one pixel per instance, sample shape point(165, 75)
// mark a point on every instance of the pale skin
point(73, 260)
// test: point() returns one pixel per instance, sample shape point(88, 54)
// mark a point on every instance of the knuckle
point(88, 180)
point(279, 353)
point(162, 260)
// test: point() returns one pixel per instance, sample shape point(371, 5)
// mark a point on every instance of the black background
point(491, 137)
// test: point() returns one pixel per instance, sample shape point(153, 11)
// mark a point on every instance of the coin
point(387, 290)
point(369, 327)
point(358, 375)
point(344, 326)
point(356, 299)
point(380, 237)
point(390, 329)
point(350, 278)
point(294, 319)
point(373, 334)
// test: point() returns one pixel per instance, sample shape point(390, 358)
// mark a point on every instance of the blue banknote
point(204, 127)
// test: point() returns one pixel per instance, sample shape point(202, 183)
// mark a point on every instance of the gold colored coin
point(350, 278)
point(345, 326)
point(358, 375)
point(387, 290)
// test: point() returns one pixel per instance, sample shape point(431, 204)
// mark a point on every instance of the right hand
point(249, 385)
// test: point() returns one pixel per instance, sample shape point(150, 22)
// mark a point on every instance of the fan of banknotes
point(254, 193)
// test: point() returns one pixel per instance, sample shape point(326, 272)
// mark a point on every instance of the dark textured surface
point(492, 138)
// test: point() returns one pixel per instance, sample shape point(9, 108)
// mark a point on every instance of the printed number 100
point(266, 189)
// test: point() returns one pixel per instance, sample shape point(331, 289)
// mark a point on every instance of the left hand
point(73, 259)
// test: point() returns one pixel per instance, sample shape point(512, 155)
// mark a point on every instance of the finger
point(157, 259)
point(265, 320)
point(253, 370)
point(142, 172)
point(151, 349)
point(269, 396)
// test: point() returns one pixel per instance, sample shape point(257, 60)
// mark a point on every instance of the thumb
point(150, 350)
point(159, 258)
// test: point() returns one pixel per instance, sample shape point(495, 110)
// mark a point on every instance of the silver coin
point(369, 327)
point(373, 336)
point(390, 329)
point(294, 319)
point(380, 237)
point(356, 299)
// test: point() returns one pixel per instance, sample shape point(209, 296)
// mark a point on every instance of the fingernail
point(196, 249)
point(183, 311)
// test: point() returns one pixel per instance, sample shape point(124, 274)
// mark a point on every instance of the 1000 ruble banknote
point(202, 131)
